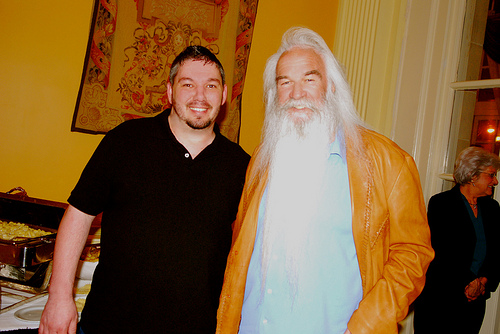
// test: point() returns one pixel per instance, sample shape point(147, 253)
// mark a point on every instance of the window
point(476, 110)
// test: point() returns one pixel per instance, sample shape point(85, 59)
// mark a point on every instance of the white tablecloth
point(11, 320)
point(8, 320)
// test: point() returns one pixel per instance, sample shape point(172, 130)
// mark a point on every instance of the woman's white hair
point(471, 162)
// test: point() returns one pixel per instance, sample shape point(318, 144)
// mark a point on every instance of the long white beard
point(295, 187)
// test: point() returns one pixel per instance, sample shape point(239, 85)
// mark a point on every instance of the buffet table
point(26, 258)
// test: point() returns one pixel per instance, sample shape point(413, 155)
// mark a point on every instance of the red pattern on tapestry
point(100, 51)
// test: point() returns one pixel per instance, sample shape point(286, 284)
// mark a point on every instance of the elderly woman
point(464, 224)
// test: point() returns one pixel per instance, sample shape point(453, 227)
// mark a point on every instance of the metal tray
point(29, 210)
point(30, 251)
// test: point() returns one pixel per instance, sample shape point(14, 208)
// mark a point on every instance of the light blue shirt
point(330, 290)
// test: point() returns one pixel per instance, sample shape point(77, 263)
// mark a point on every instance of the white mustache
point(299, 104)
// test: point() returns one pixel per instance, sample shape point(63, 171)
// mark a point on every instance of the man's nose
point(200, 93)
point(297, 91)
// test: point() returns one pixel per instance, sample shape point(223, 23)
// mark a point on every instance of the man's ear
point(169, 92)
point(224, 95)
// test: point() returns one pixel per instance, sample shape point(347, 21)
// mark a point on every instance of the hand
point(476, 288)
point(59, 316)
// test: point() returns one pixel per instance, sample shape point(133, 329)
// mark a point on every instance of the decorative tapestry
point(132, 44)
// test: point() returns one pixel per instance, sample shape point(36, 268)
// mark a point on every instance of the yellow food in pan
point(15, 231)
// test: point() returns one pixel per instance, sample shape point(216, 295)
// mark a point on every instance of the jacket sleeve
point(396, 249)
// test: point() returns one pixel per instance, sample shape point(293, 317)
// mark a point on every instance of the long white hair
point(295, 153)
point(345, 114)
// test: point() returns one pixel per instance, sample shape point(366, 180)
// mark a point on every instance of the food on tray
point(80, 303)
point(18, 231)
point(91, 253)
point(82, 290)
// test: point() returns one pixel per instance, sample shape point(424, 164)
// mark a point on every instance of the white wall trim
point(424, 100)
point(442, 118)
point(354, 47)
point(427, 76)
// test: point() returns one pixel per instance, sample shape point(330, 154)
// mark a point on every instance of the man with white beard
point(331, 234)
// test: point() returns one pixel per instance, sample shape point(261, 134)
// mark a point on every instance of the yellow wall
point(42, 50)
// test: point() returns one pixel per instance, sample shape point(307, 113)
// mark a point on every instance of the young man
point(169, 188)
point(331, 234)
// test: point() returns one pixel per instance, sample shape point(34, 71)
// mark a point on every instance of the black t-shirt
point(165, 231)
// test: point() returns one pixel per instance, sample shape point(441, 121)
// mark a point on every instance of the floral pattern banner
point(132, 44)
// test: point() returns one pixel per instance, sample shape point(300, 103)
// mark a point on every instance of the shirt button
point(264, 321)
point(186, 155)
point(269, 291)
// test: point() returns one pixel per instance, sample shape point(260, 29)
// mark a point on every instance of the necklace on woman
point(474, 206)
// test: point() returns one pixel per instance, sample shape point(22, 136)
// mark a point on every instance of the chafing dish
point(26, 264)
point(27, 252)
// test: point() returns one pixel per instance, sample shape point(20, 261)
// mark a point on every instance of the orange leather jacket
point(390, 230)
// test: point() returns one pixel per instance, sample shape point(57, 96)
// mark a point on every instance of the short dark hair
point(195, 52)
